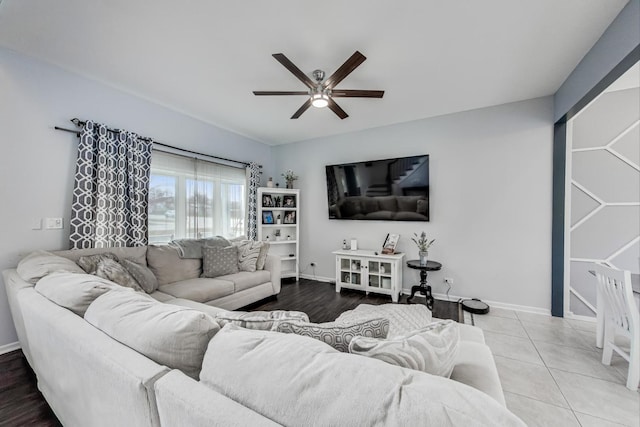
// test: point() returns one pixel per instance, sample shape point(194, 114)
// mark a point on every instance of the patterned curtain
point(332, 186)
point(253, 178)
point(111, 190)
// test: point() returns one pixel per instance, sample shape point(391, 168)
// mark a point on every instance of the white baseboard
point(496, 304)
point(318, 278)
point(7, 348)
point(572, 316)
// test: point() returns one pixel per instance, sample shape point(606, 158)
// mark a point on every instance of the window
point(193, 198)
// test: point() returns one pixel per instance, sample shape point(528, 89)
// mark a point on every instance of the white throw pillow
point(432, 349)
point(38, 264)
point(261, 320)
point(170, 335)
point(73, 291)
point(295, 380)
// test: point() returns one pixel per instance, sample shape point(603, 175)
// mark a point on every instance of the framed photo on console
point(390, 243)
point(267, 201)
point(267, 217)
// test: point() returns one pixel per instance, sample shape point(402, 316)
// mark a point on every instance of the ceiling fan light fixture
point(319, 100)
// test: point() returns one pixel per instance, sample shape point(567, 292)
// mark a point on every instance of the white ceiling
point(204, 58)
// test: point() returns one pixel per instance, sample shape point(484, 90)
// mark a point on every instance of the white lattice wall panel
point(605, 192)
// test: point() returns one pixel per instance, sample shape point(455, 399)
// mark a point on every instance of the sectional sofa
point(99, 370)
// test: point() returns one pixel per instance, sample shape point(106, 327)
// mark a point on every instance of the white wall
point(37, 162)
point(490, 189)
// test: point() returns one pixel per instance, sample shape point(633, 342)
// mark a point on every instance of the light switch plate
point(53, 223)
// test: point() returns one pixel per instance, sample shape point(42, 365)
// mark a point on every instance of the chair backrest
point(615, 288)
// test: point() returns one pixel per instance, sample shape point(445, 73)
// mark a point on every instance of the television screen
point(391, 189)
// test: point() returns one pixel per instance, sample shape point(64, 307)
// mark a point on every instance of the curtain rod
point(79, 122)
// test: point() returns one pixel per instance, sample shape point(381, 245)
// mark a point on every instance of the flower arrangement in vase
point(289, 177)
point(423, 246)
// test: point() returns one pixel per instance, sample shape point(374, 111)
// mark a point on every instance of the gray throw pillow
point(262, 258)
point(219, 261)
point(261, 320)
point(107, 266)
point(145, 277)
point(336, 335)
point(432, 349)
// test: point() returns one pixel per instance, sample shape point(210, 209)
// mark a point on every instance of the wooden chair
point(621, 317)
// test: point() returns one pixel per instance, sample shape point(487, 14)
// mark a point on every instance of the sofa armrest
point(273, 265)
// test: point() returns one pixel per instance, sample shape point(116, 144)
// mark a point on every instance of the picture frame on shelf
point(289, 201)
point(289, 217)
point(267, 201)
point(267, 217)
point(390, 243)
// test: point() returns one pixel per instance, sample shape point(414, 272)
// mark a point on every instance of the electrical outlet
point(448, 281)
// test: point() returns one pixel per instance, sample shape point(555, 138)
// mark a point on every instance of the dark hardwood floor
point(21, 404)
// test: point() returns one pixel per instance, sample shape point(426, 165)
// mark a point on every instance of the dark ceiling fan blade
point(349, 93)
point(302, 109)
point(336, 109)
point(294, 70)
point(345, 69)
point(266, 92)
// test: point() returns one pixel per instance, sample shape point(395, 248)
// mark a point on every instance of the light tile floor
point(552, 374)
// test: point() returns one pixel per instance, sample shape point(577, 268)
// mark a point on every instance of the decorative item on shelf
point(423, 246)
point(270, 182)
point(278, 201)
point(355, 266)
point(278, 220)
point(354, 244)
point(289, 177)
point(288, 237)
point(277, 184)
point(382, 269)
point(347, 278)
point(390, 243)
point(267, 217)
point(289, 201)
point(289, 217)
point(267, 201)
point(344, 245)
point(278, 235)
point(266, 238)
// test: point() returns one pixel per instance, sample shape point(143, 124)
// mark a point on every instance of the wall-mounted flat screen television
point(388, 190)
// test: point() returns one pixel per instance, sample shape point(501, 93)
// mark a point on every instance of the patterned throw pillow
point(432, 349)
point(219, 261)
point(107, 266)
point(261, 320)
point(248, 254)
point(262, 258)
point(145, 277)
point(336, 335)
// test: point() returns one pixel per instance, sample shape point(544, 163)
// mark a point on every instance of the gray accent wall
point(605, 192)
point(618, 41)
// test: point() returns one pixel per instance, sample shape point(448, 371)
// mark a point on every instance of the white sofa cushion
point(166, 264)
point(170, 335)
point(38, 264)
point(302, 382)
point(199, 290)
point(74, 291)
point(432, 349)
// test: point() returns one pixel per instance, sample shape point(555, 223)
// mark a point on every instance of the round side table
point(423, 287)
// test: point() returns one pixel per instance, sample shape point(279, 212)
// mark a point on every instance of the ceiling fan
point(321, 92)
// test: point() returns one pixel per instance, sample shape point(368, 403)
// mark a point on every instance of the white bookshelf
point(286, 246)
